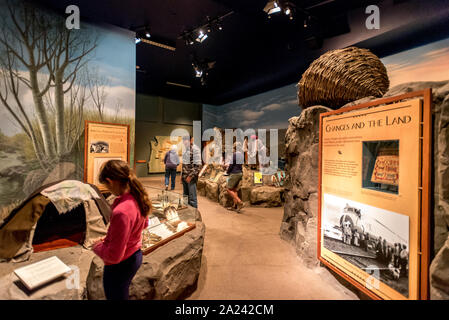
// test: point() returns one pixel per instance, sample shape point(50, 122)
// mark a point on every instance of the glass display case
point(169, 219)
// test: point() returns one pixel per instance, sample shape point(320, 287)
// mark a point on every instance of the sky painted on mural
point(114, 58)
point(425, 63)
point(272, 109)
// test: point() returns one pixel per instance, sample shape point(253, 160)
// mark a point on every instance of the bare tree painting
point(50, 83)
point(39, 53)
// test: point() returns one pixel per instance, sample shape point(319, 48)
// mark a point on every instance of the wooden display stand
point(408, 119)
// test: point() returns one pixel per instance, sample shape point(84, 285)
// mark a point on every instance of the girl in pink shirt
point(120, 249)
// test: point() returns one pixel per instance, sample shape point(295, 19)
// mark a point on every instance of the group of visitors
point(191, 166)
point(394, 256)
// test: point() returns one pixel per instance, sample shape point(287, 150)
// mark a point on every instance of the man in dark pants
point(171, 161)
point(191, 166)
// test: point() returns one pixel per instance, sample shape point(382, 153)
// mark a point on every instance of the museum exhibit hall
point(218, 150)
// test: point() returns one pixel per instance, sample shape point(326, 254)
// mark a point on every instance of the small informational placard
point(103, 142)
point(42, 272)
point(258, 178)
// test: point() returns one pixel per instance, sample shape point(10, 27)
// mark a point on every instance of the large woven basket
point(341, 76)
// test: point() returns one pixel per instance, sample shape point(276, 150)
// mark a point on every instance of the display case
point(169, 219)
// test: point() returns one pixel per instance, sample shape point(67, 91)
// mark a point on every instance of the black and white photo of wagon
point(372, 239)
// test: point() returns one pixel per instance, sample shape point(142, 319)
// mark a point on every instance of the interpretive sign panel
point(42, 272)
point(103, 142)
point(374, 195)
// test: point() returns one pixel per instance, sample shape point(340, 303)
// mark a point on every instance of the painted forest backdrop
point(52, 79)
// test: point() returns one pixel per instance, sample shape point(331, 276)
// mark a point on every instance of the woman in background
point(120, 249)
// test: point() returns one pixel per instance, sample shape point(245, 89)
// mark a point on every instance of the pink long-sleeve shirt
point(124, 235)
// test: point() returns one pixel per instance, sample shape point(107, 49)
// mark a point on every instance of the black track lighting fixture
point(201, 33)
point(201, 68)
point(147, 32)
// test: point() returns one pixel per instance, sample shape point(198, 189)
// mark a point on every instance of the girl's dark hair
point(120, 171)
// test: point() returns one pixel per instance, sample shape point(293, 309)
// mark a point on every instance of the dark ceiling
point(252, 53)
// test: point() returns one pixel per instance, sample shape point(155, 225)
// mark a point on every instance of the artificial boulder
point(201, 187)
point(212, 190)
point(70, 288)
point(301, 186)
point(169, 272)
point(267, 196)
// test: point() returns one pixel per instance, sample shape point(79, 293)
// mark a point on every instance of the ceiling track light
point(288, 8)
point(201, 33)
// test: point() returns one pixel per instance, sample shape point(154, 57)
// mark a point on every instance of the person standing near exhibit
point(120, 250)
point(235, 176)
point(191, 166)
point(171, 161)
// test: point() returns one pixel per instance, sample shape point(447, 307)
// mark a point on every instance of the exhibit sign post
point(374, 182)
point(103, 142)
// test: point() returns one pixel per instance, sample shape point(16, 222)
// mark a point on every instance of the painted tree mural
point(50, 83)
point(38, 52)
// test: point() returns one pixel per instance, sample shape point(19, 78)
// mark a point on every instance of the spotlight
point(288, 11)
point(138, 40)
point(272, 7)
point(305, 23)
point(198, 72)
point(147, 33)
point(201, 36)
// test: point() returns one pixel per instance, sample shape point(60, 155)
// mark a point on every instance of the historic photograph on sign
point(372, 239)
point(103, 141)
point(99, 147)
point(381, 166)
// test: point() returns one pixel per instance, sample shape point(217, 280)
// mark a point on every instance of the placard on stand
point(103, 142)
point(374, 195)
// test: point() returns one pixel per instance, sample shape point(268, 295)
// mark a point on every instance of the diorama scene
point(165, 150)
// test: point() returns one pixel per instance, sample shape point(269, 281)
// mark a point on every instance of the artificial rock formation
point(301, 205)
point(78, 258)
point(267, 196)
point(169, 272)
point(259, 195)
point(301, 187)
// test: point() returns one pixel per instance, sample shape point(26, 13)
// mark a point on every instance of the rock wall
point(301, 206)
point(300, 209)
point(264, 195)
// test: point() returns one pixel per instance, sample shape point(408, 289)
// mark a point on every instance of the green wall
point(158, 116)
